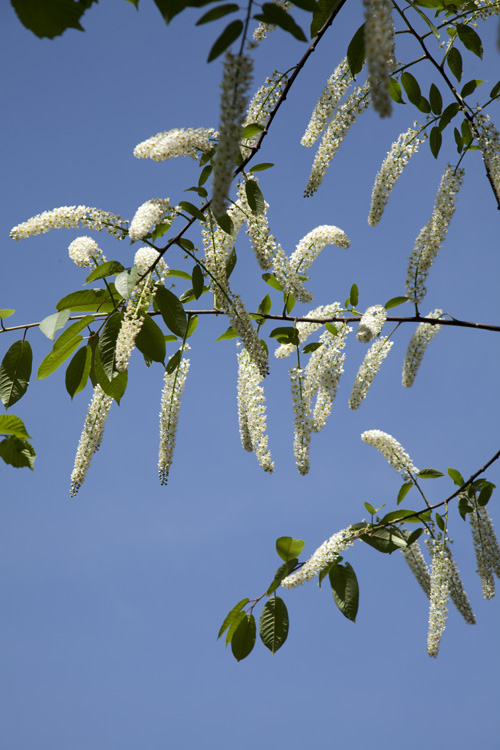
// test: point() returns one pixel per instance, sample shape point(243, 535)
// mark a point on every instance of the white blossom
point(148, 216)
point(69, 217)
point(169, 416)
point(262, 241)
point(85, 252)
point(415, 560)
point(486, 549)
point(305, 330)
point(301, 400)
point(379, 49)
point(323, 372)
point(288, 277)
point(144, 259)
point(263, 102)
point(489, 145)
point(367, 371)
point(324, 556)
point(416, 348)
point(313, 243)
point(263, 29)
point(439, 594)
point(91, 437)
point(334, 90)
point(371, 323)
point(176, 142)
point(252, 411)
point(392, 451)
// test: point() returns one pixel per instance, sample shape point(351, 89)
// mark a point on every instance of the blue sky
point(111, 602)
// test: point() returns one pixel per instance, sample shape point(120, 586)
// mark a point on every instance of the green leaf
point(281, 573)
point(88, 300)
point(78, 371)
point(71, 332)
point(53, 323)
point(455, 64)
point(435, 99)
point(205, 174)
point(485, 494)
point(6, 312)
point(398, 515)
point(15, 372)
point(457, 477)
point(178, 274)
point(405, 488)
point(458, 140)
point(369, 507)
point(395, 302)
point(287, 547)
point(285, 335)
point(232, 628)
point(495, 91)
point(425, 18)
point(255, 198)
point(464, 507)
point(192, 325)
point(230, 262)
point(469, 87)
point(12, 425)
point(309, 348)
point(170, 8)
point(125, 282)
point(174, 362)
point(308, 5)
point(161, 229)
point(271, 279)
point(150, 340)
point(251, 130)
point(262, 166)
point(424, 105)
point(116, 387)
point(110, 268)
point(414, 536)
point(412, 88)
point(470, 39)
point(345, 589)
point(244, 636)
point(273, 624)
point(198, 281)
point(435, 140)
point(430, 474)
point(324, 9)
point(57, 356)
point(356, 51)
point(17, 453)
point(354, 295)
point(384, 540)
point(395, 91)
point(331, 329)
point(231, 615)
point(275, 14)
point(228, 36)
point(467, 135)
point(448, 114)
point(171, 310)
point(192, 210)
point(440, 522)
point(264, 307)
point(226, 224)
point(218, 12)
point(229, 334)
point(51, 18)
point(107, 343)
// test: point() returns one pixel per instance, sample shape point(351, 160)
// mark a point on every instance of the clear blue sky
point(111, 602)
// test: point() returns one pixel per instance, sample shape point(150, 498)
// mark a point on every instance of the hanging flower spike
point(335, 88)
point(371, 323)
point(262, 241)
point(169, 416)
point(263, 102)
point(457, 591)
point(69, 217)
point(176, 142)
point(263, 29)
point(415, 560)
point(313, 243)
point(307, 329)
point(439, 594)
point(148, 216)
point(392, 451)
point(301, 399)
point(489, 145)
point(85, 252)
point(369, 368)
point(91, 437)
point(486, 549)
point(321, 559)
point(323, 372)
point(289, 278)
point(416, 348)
point(379, 48)
point(252, 411)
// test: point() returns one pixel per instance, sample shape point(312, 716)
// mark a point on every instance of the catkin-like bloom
point(416, 348)
point(489, 145)
point(169, 416)
point(263, 29)
point(371, 323)
point(144, 259)
point(176, 142)
point(324, 556)
point(313, 243)
point(307, 329)
point(486, 549)
point(392, 451)
point(457, 591)
point(252, 411)
point(432, 235)
point(367, 371)
point(218, 244)
point(147, 217)
point(263, 102)
point(289, 278)
point(415, 560)
point(334, 90)
point(91, 437)
point(379, 49)
point(85, 252)
point(262, 241)
point(235, 83)
point(440, 576)
point(396, 160)
point(301, 399)
point(343, 119)
point(323, 372)
point(69, 217)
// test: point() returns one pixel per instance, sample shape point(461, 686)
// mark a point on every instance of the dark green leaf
point(405, 488)
point(198, 281)
point(309, 5)
point(226, 224)
point(440, 522)
point(114, 388)
point(398, 515)
point(384, 540)
point(171, 310)
point(244, 636)
point(230, 262)
point(369, 507)
point(309, 348)
point(251, 130)
point(110, 268)
point(78, 371)
point(218, 12)
point(12, 425)
point(395, 91)
point(290, 303)
point(255, 198)
point(170, 8)
point(287, 547)
point(324, 9)
point(271, 279)
point(424, 105)
point(228, 36)
point(394, 302)
point(178, 274)
point(467, 135)
point(53, 323)
point(51, 18)
point(150, 340)
point(264, 307)
point(436, 99)
point(414, 536)
point(469, 87)
point(161, 229)
point(495, 91)
point(464, 507)
point(232, 628)
point(88, 300)
point(71, 332)
point(425, 18)
point(273, 624)
point(485, 494)
point(231, 615)
point(354, 295)
point(356, 51)
point(457, 477)
point(229, 334)
point(192, 325)
point(57, 356)
point(470, 39)
point(435, 140)
point(193, 210)
point(205, 174)
point(285, 335)
point(275, 14)
point(107, 343)
point(345, 589)
point(125, 282)
point(448, 115)
point(261, 167)
point(173, 362)
point(17, 453)
point(282, 572)
point(15, 372)
point(412, 88)
point(454, 60)
point(430, 474)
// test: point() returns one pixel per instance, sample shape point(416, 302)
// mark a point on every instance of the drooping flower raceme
point(432, 235)
point(301, 400)
point(324, 556)
point(313, 243)
point(263, 29)
point(144, 259)
point(371, 323)
point(323, 372)
point(148, 216)
point(416, 348)
point(486, 548)
point(456, 588)
point(379, 49)
point(396, 160)
point(415, 560)
point(91, 437)
point(307, 329)
point(176, 142)
point(263, 102)
point(334, 90)
point(235, 84)
point(263, 242)
point(85, 252)
point(252, 411)
point(489, 145)
point(169, 416)
point(288, 277)
point(439, 594)
point(367, 371)
point(392, 451)
point(69, 217)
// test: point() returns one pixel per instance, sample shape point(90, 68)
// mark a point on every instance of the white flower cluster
point(301, 399)
point(289, 278)
point(334, 90)
point(432, 235)
point(367, 371)
point(169, 416)
point(69, 217)
point(457, 591)
point(252, 411)
point(489, 144)
point(235, 83)
point(263, 102)
point(85, 252)
point(392, 451)
point(396, 160)
point(263, 29)
point(486, 8)
point(439, 594)
point(323, 557)
point(307, 329)
point(416, 562)
point(416, 348)
point(218, 244)
point(486, 548)
point(313, 243)
point(91, 437)
point(176, 142)
point(262, 241)
point(379, 49)
point(144, 259)
point(371, 323)
point(148, 216)
point(343, 119)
